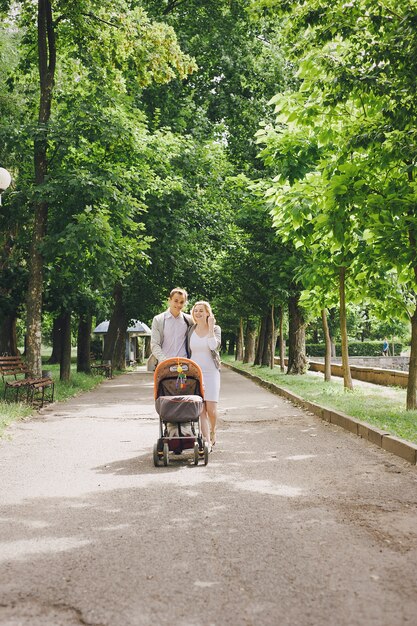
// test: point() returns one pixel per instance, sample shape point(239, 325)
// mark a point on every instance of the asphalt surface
point(294, 521)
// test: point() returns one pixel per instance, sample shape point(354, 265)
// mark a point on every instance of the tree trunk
point(119, 356)
point(250, 340)
point(347, 378)
point(367, 326)
point(328, 342)
point(261, 341)
point(332, 328)
point(240, 342)
point(263, 351)
point(84, 343)
point(223, 346)
point(411, 402)
point(297, 360)
point(8, 339)
point(147, 347)
point(46, 64)
point(281, 339)
point(65, 361)
point(266, 356)
point(115, 339)
point(273, 338)
point(34, 295)
point(57, 326)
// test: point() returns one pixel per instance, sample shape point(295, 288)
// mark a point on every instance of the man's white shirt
point(175, 330)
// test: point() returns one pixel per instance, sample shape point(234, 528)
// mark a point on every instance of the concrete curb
point(404, 449)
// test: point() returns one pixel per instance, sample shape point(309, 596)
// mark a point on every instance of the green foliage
point(96, 189)
point(100, 152)
point(343, 151)
point(141, 186)
point(240, 66)
point(189, 216)
point(256, 269)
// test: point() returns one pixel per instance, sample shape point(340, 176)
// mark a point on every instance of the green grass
point(78, 383)
point(383, 407)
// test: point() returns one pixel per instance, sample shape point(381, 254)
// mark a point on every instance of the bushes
point(356, 348)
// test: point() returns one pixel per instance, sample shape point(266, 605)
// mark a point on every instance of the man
point(169, 339)
point(169, 330)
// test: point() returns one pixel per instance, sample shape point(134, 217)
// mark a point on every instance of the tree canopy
point(254, 152)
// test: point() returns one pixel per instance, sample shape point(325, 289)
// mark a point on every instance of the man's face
point(176, 304)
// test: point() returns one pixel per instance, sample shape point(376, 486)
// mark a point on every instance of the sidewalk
point(382, 438)
point(293, 520)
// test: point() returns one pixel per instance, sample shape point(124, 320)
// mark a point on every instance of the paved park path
point(294, 521)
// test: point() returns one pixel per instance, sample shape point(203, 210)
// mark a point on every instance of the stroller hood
point(169, 371)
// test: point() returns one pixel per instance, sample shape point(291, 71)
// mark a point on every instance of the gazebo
point(135, 350)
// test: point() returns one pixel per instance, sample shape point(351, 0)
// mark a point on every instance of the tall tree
point(357, 68)
point(46, 66)
point(97, 33)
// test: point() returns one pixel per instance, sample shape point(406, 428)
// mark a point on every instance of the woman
point(204, 339)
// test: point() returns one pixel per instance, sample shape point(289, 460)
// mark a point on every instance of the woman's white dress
point(200, 353)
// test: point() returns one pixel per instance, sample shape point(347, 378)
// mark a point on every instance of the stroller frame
point(179, 398)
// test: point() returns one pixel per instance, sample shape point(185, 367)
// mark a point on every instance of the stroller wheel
point(166, 454)
point(196, 453)
point(206, 453)
point(155, 455)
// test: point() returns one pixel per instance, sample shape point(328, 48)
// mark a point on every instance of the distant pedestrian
point(385, 347)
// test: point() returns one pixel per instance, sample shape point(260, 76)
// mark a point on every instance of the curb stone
point(381, 438)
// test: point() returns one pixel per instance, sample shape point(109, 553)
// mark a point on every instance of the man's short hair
point(180, 291)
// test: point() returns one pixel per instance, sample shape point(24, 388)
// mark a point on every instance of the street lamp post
point(5, 180)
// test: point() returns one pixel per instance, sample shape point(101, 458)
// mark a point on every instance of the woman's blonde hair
point(202, 303)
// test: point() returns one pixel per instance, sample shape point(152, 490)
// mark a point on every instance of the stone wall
point(383, 362)
point(375, 375)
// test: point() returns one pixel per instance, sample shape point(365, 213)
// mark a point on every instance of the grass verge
point(78, 383)
point(384, 407)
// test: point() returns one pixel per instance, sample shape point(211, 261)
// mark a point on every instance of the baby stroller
point(179, 397)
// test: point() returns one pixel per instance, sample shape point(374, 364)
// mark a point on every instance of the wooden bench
point(41, 390)
point(104, 368)
point(35, 389)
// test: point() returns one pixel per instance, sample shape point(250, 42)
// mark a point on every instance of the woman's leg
point(211, 409)
point(205, 424)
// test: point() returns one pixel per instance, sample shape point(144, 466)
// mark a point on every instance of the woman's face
point(176, 304)
point(200, 312)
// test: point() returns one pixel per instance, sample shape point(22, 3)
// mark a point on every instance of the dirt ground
point(294, 521)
